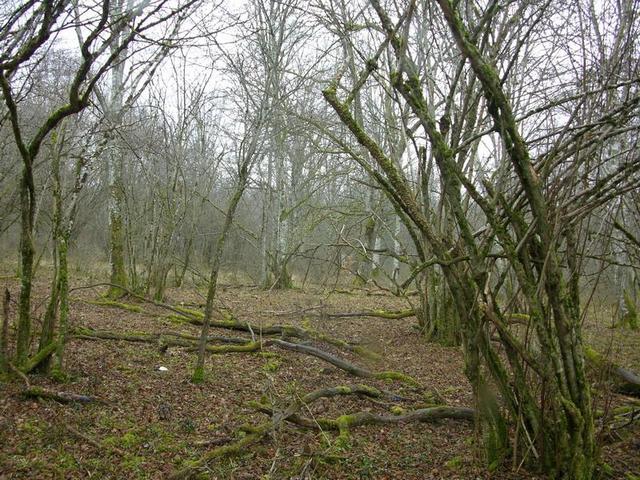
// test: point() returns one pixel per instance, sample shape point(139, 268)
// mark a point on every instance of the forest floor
point(153, 421)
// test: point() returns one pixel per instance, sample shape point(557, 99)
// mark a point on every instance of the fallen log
point(169, 339)
point(343, 364)
point(345, 422)
point(624, 380)
point(61, 397)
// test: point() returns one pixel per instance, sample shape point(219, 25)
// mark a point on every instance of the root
point(39, 357)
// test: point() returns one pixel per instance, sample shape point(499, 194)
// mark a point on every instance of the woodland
point(265, 239)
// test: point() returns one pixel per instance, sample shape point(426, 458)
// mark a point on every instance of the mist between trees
point(477, 159)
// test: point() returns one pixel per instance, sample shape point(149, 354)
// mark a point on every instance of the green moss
point(454, 464)
point(190, 312)
point(129, 440)
point(106, 302)
point(248, 347)
point(397, 410)
point(343, 390)
point(174, 318)
point(59, 376)
point(198, 376)
point(271, 366)
point(374, 392)
point(343, 441)
point(400, 377)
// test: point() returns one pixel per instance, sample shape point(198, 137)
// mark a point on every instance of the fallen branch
point(342, 424)
point(169, 340)
point(61, 397)
point(345, 422)
point(239, 346)
point(625, 381)
point(40, 392)
point(344, 364)
point(386, 314)
point(235, 448)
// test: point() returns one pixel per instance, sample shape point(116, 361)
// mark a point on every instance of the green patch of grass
point(272, 366)
point(265, 354)
point(130, 440)
point(454, 464)
point(65, 461)
point(366, 467)
point(188, 425)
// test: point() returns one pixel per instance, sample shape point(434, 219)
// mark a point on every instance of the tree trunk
point(198, 373)
point(27, 251)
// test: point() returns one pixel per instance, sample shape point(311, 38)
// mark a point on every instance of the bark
point(4, 333)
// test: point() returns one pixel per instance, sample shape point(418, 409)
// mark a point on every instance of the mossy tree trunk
point(5, 357)
point(241, 182)
point(51, 314)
